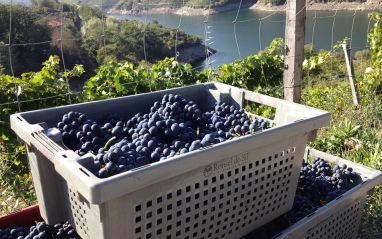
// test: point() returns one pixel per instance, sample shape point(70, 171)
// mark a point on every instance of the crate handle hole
point(80, 198)
point(84, 172)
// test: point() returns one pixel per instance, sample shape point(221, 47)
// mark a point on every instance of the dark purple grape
point(173, 126)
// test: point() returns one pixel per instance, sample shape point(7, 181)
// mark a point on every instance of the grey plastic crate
point(225, 190)
point(341, 217)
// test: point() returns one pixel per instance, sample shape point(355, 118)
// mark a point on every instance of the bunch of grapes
point(174, 126)
point(41, 231)
point(318, 185)
point(84, 135)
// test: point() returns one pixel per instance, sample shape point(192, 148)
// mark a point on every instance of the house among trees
point(54, 23)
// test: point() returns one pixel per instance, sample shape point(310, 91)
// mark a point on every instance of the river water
point(255, 30)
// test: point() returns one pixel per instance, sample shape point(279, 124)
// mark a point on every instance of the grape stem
point(109, 141)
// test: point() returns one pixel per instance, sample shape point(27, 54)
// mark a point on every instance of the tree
point(52, 4)
point(71, 48)
point(126, 41)
point(362, 55)
point(3, 57)
point(1, 70)
point(28, 28)
point(87, 12)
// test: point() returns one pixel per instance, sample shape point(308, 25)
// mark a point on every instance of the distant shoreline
point(311, 6)
point(331, 6)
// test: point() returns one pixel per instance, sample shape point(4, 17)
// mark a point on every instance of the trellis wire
point(104, 45)
point(176, 35)
point(17, 88)
point(237, 44)
point(261, 58)
point(234, 31)
point(352, 27)
point(144, 45)
point(332, 50)
point(311, 49)
point(62, 52)
point(367, 36)
point(206, 38)
point(176, 42)
point(84, 91)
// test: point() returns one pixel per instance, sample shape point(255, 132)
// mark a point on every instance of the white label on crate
point(226, 165)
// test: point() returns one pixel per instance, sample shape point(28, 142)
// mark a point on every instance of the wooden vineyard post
point(294, 49)
point(349, 64)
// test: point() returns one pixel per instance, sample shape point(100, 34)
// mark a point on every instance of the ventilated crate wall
point(339, 219)
point(80, 212)
point(342, 224)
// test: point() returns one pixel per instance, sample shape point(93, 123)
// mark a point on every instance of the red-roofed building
point(54, 23)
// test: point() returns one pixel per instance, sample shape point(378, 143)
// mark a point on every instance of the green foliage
point(16, 188)
point(332, 98)
point(15, 177)
point(49, 4)
point(87, 12)
point(318, 59)
point(263, 110)
point(124, 5)
point(339, 137)
point(73, 52)
point(372, 213)
point(362, 55)
point(116, 79)
point(264, 69)
point(372, 81)
point(48, 82)
point(362, 59)
point(30, 25)
point(260, 72)
point(325, 66)
point(128, 40)
point(126, 45)
point(29, 29)
point(309, 51)
point(3, 57)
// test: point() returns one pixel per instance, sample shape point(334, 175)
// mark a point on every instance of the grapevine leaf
point(4, 137)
